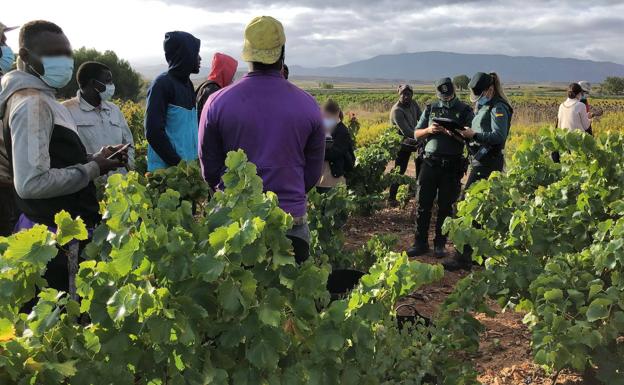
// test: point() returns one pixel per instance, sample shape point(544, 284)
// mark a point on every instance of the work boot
point(456, 264)
point(439, 249)
point(418, 249)
point(460, 261)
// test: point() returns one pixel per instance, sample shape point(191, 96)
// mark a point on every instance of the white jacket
point(573, 116)
point(32, 111)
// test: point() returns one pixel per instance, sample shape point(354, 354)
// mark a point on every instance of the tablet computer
point(449, 124)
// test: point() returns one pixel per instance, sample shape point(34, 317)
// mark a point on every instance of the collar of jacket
point(272, 73)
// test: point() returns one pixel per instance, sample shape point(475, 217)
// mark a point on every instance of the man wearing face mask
point(7, 57)
point(100, 123)
point(442, 167)
point(51, 168)
point(8, 209)
point(171, 114)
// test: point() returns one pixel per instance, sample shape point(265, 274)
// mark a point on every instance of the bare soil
point(504, 356)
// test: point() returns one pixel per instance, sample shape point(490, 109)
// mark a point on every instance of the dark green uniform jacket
point(443, 144)
point(492, 123)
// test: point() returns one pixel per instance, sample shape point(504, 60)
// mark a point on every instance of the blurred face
point(330, 120)
point(406, 97)
point(329, 115)
point(46, 44)
point(2, 39)
point(447, 98)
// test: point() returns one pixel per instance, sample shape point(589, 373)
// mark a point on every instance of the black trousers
point(439, 177)
point(401, 162)
point(301, 248)
point(8, 210)
point(483, 169)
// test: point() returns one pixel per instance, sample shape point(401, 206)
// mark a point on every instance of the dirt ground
point(504, 356)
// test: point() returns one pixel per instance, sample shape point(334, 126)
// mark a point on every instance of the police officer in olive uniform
point(443, 165)
point(488, 133)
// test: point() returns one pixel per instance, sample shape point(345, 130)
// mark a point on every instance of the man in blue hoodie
point(171, 118)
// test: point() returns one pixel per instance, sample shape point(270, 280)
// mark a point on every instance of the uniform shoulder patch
point(499, 112)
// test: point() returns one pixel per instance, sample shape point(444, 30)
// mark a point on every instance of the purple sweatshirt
point(279, 127)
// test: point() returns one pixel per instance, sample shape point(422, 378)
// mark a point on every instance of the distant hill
point(427, 66)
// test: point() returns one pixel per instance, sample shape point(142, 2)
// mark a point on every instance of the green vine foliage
point(369, 179)
point(552, 239)
point(167, 297)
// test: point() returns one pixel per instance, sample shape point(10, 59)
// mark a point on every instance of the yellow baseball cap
point(264, 39)
point(4, 28)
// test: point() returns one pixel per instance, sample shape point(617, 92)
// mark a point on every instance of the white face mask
point(108, 92)
point(329, 124)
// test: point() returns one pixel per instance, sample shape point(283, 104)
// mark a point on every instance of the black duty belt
point(444, 160)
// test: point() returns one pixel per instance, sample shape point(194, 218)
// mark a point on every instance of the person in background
point(171, 116)
point(8, 209)
point(100, 123)
point(7, 57)
point(277, 124)
point(405, 115)
point(51, 168)
point(586, 87)
point(442, 168)
point(339, 149)
point(285, 72)
point(573, 113)
point(222, 71)
point(489, 131)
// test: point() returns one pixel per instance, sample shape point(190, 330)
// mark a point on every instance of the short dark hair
point(89, 70)
point(331, 106)
point(574, 89)
point(31, 31)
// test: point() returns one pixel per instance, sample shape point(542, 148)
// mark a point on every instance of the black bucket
point(341, 281)
point(411, 318)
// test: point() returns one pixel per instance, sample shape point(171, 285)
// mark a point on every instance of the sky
point(328, 33)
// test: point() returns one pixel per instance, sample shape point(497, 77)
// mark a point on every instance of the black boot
point(418, 249)
point(439, 249)
point(460, 261)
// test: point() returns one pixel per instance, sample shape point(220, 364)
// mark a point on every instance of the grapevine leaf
point(598, 309)
point(68, 228)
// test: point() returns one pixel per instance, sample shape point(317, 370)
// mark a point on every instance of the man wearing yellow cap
point(278, 125)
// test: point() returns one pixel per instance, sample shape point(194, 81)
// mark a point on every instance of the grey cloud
point(322, 33)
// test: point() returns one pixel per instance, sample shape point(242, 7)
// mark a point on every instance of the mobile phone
point(122, 149)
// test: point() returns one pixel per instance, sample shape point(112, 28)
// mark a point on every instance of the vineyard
point(179, 286)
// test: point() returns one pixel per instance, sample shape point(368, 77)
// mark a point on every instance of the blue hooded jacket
point(171, 118)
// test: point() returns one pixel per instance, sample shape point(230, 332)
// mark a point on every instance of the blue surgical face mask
point(483, 100)
point(57, 70)
point(7, 59)
point(108, 92)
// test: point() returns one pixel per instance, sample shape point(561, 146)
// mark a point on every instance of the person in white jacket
point(573, 113)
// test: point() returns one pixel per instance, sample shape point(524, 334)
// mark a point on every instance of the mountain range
point(427, 66)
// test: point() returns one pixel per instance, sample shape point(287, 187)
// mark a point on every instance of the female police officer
point(489, 131)
point(490, 126)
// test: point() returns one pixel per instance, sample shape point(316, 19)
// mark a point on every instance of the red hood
point(222, 69)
